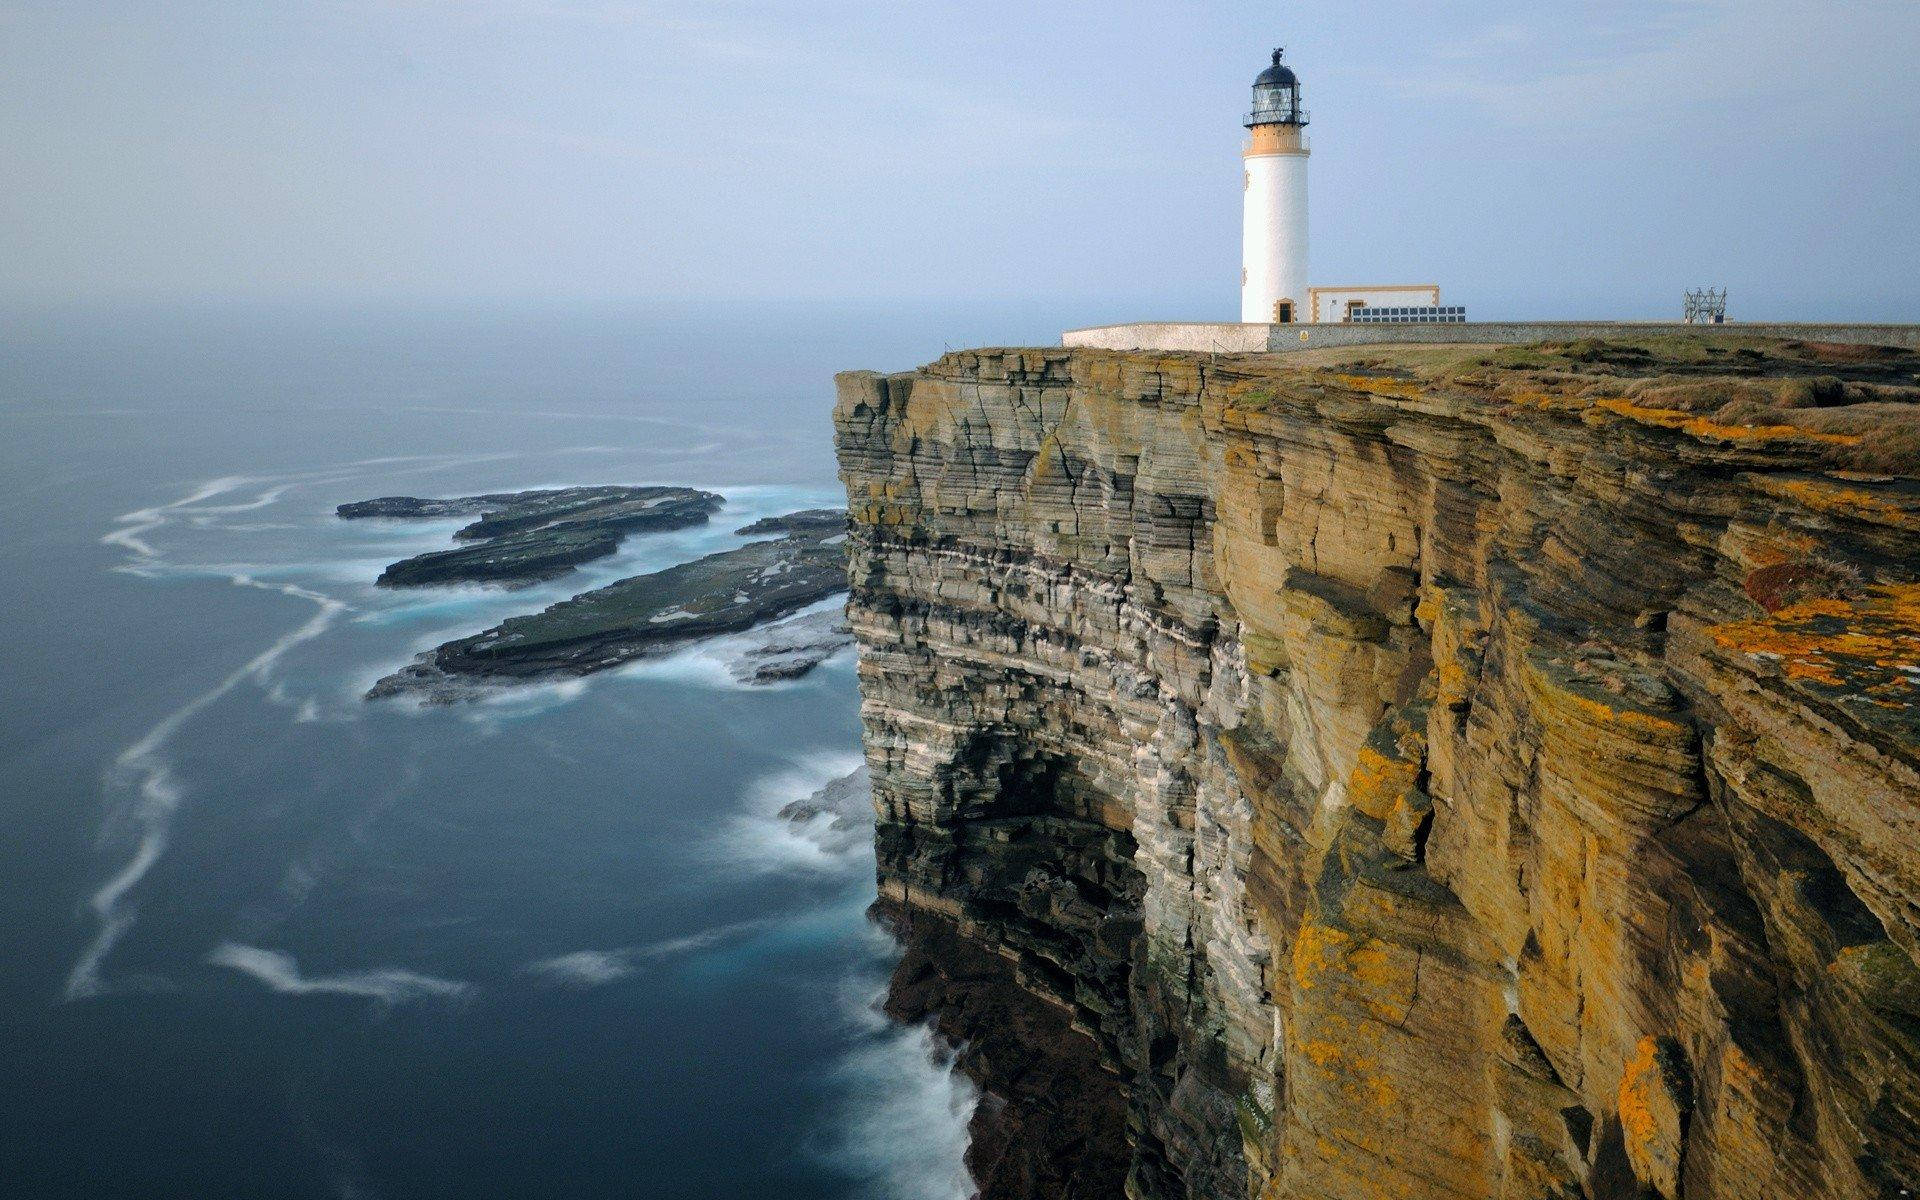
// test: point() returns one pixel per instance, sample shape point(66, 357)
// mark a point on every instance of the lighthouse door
point(1283, 312)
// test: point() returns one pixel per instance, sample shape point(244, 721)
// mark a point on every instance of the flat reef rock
point(422, 508)
point(1437, 773)
point(722, 593)
point(790, 649)
point(523, 537)
point(823, 521)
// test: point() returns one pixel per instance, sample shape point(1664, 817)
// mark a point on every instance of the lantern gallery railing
point(1276, 116)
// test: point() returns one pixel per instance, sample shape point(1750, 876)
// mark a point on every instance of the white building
point(1273, 275)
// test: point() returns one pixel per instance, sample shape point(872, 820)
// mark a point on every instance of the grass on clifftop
point(1859, 404)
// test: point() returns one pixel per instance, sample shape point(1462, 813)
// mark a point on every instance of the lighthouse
point(1273, 258)
point(1273, 276)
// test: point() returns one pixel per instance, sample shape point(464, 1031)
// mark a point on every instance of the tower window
point(1283, 312)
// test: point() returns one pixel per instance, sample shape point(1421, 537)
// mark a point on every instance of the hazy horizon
point(1557, 160)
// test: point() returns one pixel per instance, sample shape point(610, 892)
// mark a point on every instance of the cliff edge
point(1409, 772)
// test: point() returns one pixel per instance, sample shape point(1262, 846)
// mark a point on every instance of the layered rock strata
point(1455, 774)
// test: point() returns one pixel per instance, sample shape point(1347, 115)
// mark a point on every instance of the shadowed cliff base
point(1451, 772)
point(1051, 1121)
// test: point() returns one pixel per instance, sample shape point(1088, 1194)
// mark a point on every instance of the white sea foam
point(149, 793)
point(700, 941)
point(491, 706)
point(904, 1110)
point(269, 496)
point(762, 841)
point(592, 968)
point(698, 664)
point(388, 985)
point(584, 968)
point(710, 662)
point(134, 526)
point(142, 791)
point(536, 697)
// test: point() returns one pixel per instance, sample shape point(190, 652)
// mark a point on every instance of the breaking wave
point(789, 825)
point(905, 1109)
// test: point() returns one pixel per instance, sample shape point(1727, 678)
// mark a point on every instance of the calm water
point(260, 937)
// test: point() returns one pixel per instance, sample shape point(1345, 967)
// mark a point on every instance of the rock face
point(1456, 774)
point(1053, 1124)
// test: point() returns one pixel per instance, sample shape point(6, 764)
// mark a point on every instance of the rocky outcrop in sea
point(1420, 773)
point(743, 590)
point(525, 537)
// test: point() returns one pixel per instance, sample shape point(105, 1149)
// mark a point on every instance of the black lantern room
point(1276, 96)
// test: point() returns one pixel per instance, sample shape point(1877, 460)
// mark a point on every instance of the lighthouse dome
point(1276, 96)
point(1277, 75)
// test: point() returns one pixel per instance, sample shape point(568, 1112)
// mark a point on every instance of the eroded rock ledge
point(1459, 773)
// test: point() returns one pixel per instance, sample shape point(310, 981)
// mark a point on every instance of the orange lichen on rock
point(1378, 979)
point(1833, 499)
point(1867, 647)
point(1316, 949)
point(1653, 1105)
point(1777, 548)
point(1377, 781)
point(1651, 724)
point(1595, 698)
point(1375, 385)
point(1541, 400)
point(1702, 427)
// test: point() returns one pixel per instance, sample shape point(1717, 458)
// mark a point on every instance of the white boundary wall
point(1225, 338)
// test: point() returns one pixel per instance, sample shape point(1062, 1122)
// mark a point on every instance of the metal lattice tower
point(1707, 307)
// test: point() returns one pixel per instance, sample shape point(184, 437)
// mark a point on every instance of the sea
point(261, 937)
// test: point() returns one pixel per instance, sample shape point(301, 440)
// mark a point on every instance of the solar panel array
point(1419, 314)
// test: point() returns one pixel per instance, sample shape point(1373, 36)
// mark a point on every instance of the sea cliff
point(1440, 773)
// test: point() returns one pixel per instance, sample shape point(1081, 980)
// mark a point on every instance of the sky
point(1537, 159)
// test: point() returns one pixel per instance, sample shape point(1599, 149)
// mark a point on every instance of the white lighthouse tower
point(1273, 277)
